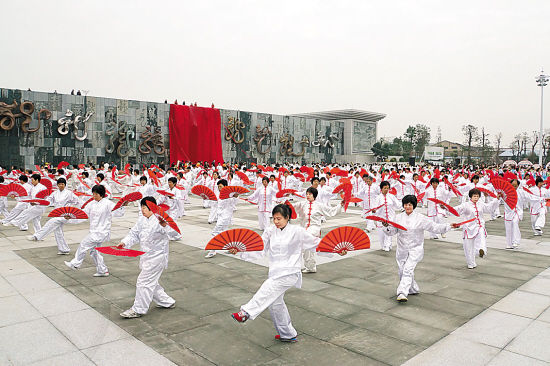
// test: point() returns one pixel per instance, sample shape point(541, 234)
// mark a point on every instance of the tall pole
point(542, 81)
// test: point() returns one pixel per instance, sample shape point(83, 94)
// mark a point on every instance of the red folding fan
point(37, 202)
point(285, 193)
point(163, 216)
point(527, 190)
point(62, 165)
point(46, 183)
point(342, 187)
point(381, 219)
point(243, 177)
point(354, 199)
point(465, 222)
point(164, 207)
point(447, 206)
point(165, 193)
point(293, 214)
point(71, 212)
point(121, 252)
point(79, 194)
point(420, 197)
point(393, 191)
point(244, 240)
point(375, 208)
point(344, 238)
point(453, 188)
point(508, 192)
point(230, 191)
point(44, 193)
point(130, 197)
point(487, 192)
point(82, 181)
point(127, 169)
point(153, 177)
point(13, 189)
point(86, 203)
point(204, 192)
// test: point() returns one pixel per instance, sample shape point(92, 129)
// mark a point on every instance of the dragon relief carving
point(122, 136)
point(152, 141)
point(70, 119)
point(324, 141)
point(234, 130)
point(26, 109)
point(287, 145)
point(261, 135)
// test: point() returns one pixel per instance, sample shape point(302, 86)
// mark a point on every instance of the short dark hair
point(313, 191)
point(222, 182)
point(85, 174)
point(409, 199)
point(282, 209)
point(434, 180)
point(23, 178)
point(475, 176)
point(384, 183)
point(314, 179)
point(36, 177)
point(474, 191)
point(173, 180)
point(539, 180)
point(143, 178)
point(100, 175)
point(144, 200)
point(265, 179)
point(62, 180)
point(1, 179)
point(99, 189)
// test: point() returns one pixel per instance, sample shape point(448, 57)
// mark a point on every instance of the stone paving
point(344, 313)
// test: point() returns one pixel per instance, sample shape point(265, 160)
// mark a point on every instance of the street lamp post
point(542, 81)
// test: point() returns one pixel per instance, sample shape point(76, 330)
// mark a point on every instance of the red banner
point(195, 134)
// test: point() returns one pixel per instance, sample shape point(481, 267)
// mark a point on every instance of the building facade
point(39, 127)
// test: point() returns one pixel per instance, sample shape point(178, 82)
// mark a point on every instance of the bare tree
point(470, 138)
point(485, 144)
point(524, 142)
point(498, 139)
point(534, 141)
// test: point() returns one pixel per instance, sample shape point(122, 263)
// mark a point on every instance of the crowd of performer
point(388, 198)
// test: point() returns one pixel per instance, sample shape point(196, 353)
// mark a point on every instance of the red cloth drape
point(195, 134)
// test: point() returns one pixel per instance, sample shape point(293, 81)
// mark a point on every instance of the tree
point(485, 145)
point(421, 138)
point(470, 138)
point(498, 139)
point(534, 141)
point(380, 149)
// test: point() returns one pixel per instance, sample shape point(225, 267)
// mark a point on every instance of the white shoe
point(471, 267)
point(130, 314)
point(31, 238)
point(509, 247)
point(70, 265)
point(23, 228)
point(443, 235)
point(63, 253)
point(98, 274)
point(516, 246)
point(307, 270)
point(166, 307)
point(402, 298)
point(6, 224)
point(386, 249)
point(210, 254)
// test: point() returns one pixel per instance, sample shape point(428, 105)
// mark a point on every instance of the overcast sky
point(439, 63)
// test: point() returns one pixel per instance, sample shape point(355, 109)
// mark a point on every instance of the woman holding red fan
point(410, 244)
point(387, 205)
point(283, 244)
point(263, 196)
point(512, 217)
point(153, 237)
point(436, 212)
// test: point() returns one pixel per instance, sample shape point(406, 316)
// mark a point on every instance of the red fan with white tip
point(37, 202)
point(342, 187)
point(381, 219)
point(508, 192)
point(243, 177)
point(527, 190)
point(244, 240)
point(13, 189)
point(44, 193)
point(293, 214)
point(355, 199)
point(344, 238)
point(79, 194)
point(285, 193)
point(447, 206)
point(375, 208)
point(130, 197)
point(121, 252)
point(487, 192)
point(204, 192)
point(163, 216)
point(86, 203)
point(165, 193)
point(71, 212)
point(62, 165)
point(229, 191)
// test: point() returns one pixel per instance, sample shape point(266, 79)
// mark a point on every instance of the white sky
point(439, 63)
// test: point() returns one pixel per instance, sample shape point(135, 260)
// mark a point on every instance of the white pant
point(496, 212)
point(148, 289)
point(371, 225)
point(213, 211)
point(472, 247)
point(55, 224)
point(309, 255)
point(33, 214)
point(513, 235)
point(205, 203)
point(407, 260)
point(90, 242)
point(438, 220)
point(271, 294)
point(385, 240)
point(263, 219)
point(538, 221)
point(15, 211)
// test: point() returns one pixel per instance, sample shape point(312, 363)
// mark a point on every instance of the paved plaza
point(346, 313)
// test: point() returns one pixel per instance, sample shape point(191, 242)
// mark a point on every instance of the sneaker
point(499, 216)
point(443, 235)
point(241, 316)
point(24, 228)
point(307, 270)
point(104, 274)
point(70, 265)
point(471, 267)
point(6, 224)
point(166, 307)
point(481, 253)
point(210, 254)
point(31, 238)
point(516, 246)
point(367, 231)
point(63, 253)
point(130, 314)
point(386, 249)
point(509, 247)
point(402, 298)
point(288, 340)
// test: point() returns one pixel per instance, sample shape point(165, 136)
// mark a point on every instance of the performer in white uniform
point(152, 235)
point(368, 194)
point(33, 212)
point(537, 206)
point(20, 206)
point(435, 212)
point(283, 244)
point(513, 217)
point(225, 213)
point(410, 244)
point(388, 205)
point(264, 197)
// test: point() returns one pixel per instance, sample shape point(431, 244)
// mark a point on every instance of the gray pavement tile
point(533, 341)
point(67, 359)
point(433, 318)
point(114, 290)
point(377, 346)
point(87, 295)
point(33, 341)
point(473, 297)
point(320, 304)
point(16, 309)
point(198, 303)
point(125, 352)
point(359, 298)
point(184, 356)
point(214, 344)
point(172, 321)
point(537, 285)
point(234, 295)
point(506, 358)
point(405, 330)
point(30, 283)
point(159, 342)
point(522, 303)
point(55, 301)
point(365, 286)
point(545, 316)
point(6, 289)
point(447, 305)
